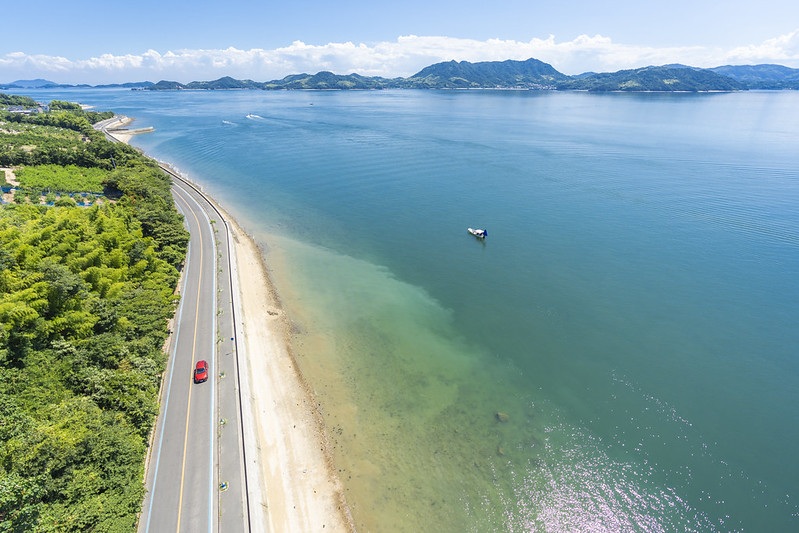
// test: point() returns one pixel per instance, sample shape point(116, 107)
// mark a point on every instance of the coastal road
point(182, 480)
point(196, 472)
point(195, 477)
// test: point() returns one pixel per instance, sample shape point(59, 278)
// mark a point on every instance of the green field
point(62, 179)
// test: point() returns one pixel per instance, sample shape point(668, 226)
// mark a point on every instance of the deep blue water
point(633, 309)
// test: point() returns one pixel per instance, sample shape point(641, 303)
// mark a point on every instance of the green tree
point(85, 298)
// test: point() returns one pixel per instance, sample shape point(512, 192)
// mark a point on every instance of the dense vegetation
point(28, 144)
point(14, 99)
point(85, 295)
point(71, 119)
point(60, 105)
point(60, 138)
point(327, 80)
point(675, 78)
point(772, 77)
point(530, 74)
point(68, 178)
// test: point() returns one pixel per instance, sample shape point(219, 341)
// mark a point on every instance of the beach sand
point(300, 489)
point(114, 128)
point(296, 488)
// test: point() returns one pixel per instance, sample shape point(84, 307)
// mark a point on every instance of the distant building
point(22, 110)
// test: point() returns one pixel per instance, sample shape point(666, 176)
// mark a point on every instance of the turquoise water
point(633, 311)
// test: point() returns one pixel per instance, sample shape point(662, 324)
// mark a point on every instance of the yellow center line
point(193, 348)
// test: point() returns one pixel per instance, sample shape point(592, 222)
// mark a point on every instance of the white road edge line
point(212, 365)
point(169, 387)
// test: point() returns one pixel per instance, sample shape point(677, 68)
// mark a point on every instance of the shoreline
point(297, 485)
point(115, 127)
point(301, 489)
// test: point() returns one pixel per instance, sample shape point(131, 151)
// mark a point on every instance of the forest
point(69, 178)
point(85, 298)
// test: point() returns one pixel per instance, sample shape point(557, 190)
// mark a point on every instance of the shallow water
point(632, 311)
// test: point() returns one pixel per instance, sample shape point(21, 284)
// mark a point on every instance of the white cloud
point(403, 57)
point(783, 49)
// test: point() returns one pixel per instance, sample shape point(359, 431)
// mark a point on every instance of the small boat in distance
point(479, 233)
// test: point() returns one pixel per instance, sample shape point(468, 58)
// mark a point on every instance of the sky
point(96, 41)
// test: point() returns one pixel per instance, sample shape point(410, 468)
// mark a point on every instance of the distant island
point(531, 74)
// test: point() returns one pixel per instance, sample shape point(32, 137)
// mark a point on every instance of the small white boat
point(479, 233)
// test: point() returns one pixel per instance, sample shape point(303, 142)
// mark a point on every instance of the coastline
point(115, 127)
point(301, 490)
point(384, 323)
point(297, 488)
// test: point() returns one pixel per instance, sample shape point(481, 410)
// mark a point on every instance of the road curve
point(195, 476)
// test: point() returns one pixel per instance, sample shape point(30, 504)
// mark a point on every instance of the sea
point(620, 353)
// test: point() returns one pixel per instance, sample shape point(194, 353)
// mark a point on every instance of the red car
point(201, 372)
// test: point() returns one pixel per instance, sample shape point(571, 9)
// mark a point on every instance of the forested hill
point(90, 244)
point(669, 78)
point(532, 74)
point(762, 76)
point(16, 100)
point(510, 74)
point(529, 74)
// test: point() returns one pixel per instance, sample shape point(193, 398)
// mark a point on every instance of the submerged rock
point(502, 417)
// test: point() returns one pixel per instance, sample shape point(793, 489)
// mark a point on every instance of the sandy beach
point(117, 128)
point(296, 488)
point(300, 491)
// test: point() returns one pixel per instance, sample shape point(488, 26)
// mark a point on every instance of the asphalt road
point(195, 476)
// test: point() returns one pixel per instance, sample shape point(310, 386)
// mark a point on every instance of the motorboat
point(479, 233)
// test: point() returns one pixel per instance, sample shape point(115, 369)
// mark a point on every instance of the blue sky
point(91, 41)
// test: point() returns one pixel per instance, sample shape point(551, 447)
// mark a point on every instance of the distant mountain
point(164, 85)
point(319, 81)
point(510, 74)
point(530, 74)
point(129, 85)
point(668, 79)
point(37, 84)
point(225, 83)
point(762, 76)
point(32, 84)
point(327, 80)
